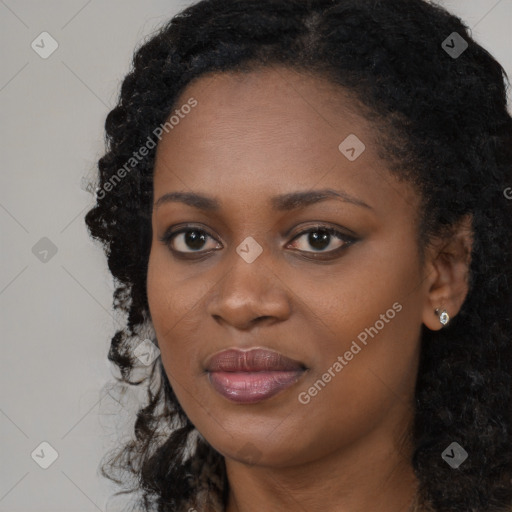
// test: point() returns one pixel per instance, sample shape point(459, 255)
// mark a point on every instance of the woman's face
point(255, 268)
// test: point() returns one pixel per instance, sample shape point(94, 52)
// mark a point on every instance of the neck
point(371, 474)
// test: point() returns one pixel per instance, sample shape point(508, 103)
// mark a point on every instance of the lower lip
point(251, 387)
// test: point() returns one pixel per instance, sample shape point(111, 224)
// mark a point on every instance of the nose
point(250, 293)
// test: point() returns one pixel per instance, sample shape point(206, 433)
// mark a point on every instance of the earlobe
point(449, 259)
point(443, 316)
point(436, 318)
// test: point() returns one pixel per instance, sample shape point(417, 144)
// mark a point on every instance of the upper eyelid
point(330, 229)
point(319, 225)
point(183, 229)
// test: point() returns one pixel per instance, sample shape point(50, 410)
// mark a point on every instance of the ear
point(448, 258)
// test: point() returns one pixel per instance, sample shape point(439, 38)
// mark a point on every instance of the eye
point(188, 240)
point(323, 239)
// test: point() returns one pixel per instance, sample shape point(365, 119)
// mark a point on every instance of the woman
point(304, 205)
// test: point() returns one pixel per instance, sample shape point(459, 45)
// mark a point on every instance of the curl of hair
point(442, 125)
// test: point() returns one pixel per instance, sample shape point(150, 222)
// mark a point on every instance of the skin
point(252, 137)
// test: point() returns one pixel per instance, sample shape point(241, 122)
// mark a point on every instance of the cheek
point(365, 293)
point(174, 296)
point(174, 304)
point(372, 319)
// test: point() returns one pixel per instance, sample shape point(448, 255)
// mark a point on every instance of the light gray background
point(56, 319)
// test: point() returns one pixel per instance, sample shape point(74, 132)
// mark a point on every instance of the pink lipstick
point(249, 376)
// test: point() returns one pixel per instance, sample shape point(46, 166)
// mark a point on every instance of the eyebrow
point(284, 202)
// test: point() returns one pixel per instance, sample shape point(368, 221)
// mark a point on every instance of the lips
point(254, 360)
point(249, 376)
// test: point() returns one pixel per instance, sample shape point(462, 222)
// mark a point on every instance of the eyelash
point(347, 240)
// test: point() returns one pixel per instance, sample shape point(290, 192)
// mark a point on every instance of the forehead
point(272, 107)
point(271, 129)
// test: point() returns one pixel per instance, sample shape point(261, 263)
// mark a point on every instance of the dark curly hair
point(443, 127)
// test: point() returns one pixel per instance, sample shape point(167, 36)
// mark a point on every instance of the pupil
point(318, 242)
point(194, 240)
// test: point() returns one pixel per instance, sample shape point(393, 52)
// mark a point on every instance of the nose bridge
point(248, 290)
point(248, 271)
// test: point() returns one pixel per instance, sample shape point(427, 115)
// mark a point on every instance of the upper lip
point(252, 360)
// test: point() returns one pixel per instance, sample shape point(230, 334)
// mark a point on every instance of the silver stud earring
point(443, 315)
